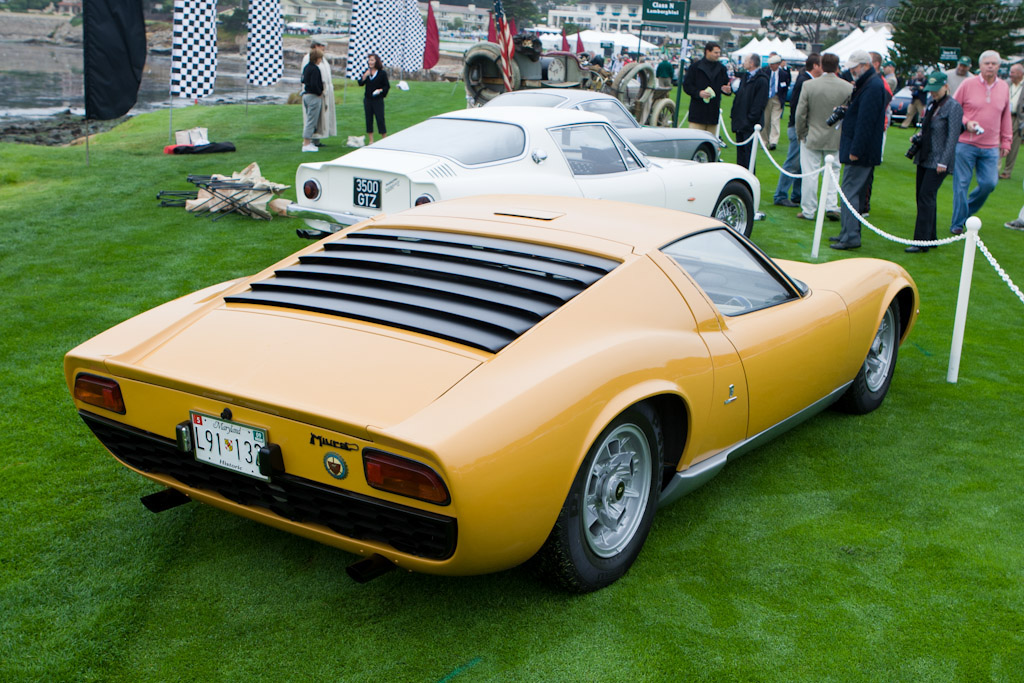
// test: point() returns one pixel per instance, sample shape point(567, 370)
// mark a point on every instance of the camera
point(837, 115)
point(915, 146)
point(978, 130)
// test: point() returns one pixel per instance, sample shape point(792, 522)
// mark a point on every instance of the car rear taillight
point(423, 199)
point(99, 391)
point(405, 477)
point(311, 189)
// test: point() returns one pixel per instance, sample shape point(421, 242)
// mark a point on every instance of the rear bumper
point(339, 218)
point(286, 500)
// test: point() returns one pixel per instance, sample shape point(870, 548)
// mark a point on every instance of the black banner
point(114, 52)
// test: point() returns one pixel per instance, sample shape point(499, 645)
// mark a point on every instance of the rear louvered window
point(479, 291)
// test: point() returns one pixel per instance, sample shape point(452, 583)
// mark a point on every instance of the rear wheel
point(872, 382)
point(735, 208)
point(662, 112)
point(606, 516)
point(704, 154)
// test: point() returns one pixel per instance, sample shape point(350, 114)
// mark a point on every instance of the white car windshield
point(463, 140)
point(526, 98)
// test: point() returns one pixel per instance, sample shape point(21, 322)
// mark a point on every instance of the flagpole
point(246, 10)
point(87, 142)
point(170, 120)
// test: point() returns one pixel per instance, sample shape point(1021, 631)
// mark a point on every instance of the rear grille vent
point(441, 171)
point(479, 291)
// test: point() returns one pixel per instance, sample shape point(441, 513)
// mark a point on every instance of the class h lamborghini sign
point(665, 11)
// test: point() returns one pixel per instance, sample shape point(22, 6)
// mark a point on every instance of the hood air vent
point(480, 291)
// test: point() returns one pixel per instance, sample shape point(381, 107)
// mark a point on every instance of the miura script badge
point(317, 440)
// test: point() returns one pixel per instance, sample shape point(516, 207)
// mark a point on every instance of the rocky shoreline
point(60, 129)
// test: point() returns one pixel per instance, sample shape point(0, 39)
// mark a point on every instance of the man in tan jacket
point(817, 139)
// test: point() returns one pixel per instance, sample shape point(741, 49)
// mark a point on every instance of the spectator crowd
point(967, 122)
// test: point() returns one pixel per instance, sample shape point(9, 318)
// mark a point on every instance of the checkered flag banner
point(264, 49)
point(194, 48)
point(392, 29)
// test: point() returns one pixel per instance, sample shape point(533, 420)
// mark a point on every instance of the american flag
point(505, 43)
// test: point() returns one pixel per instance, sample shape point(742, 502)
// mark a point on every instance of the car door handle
point(732, 394)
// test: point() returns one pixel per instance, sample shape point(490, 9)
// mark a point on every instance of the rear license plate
point(229, 445)
point(366, 193)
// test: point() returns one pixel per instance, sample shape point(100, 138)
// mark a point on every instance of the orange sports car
point(498, 378)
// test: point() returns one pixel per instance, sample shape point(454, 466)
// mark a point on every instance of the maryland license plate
point(228, 445)
point(366, 193)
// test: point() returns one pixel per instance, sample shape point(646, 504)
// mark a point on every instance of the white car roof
point(571, 96)
point(543, 117)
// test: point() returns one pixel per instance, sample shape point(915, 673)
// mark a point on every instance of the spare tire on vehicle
point(481, 72)
point(632, 84)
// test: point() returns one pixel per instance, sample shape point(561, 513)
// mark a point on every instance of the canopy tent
point(765, 46)
point(870, 40)
point(592, 40)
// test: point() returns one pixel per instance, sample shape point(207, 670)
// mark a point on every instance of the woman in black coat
point(375, 78)
point(936, 153)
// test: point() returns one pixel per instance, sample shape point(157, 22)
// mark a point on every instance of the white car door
point(605, 167)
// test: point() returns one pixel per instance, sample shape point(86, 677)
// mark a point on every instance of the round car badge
point(335, 466)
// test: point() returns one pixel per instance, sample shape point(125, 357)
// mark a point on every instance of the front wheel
point(872, 382)
point(704, 154)
point(735, 208)
point(606, 516)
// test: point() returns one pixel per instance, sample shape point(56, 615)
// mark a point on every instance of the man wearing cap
point(778, 86)
point(748, 107)
point(1016, 85)
point(918, 97)
point(987, 136)
point(860, 143)
point(889, 70)
point(327, 126)
point(958, 74)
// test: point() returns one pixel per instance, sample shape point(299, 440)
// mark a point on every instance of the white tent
point(552, 39)
point(764, 46)
point(870, 40)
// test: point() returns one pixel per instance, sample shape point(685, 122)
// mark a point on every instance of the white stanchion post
point(819, 220)
point(754, 146)
point(973, 225)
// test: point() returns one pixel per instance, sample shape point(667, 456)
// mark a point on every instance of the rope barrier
point(782, 170)
point(999, 269)
point(884, 234)
point(732, 142)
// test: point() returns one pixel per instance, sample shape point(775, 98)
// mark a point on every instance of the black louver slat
point(479, 291)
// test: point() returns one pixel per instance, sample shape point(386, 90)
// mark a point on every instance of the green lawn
point(886, 547)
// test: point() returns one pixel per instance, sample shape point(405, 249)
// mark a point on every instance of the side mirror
point(539, 156)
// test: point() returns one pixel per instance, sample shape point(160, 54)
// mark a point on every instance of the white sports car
point(514, 150)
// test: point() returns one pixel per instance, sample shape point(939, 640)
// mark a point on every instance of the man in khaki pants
point(778, 87)
point(1016, 84)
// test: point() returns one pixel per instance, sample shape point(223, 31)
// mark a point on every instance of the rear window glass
point(460, 140)
point(527, 99)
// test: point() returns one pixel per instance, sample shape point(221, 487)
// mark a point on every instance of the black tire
point(576, 555)
point(872, 382)
point(704, 154)
point(733, 192)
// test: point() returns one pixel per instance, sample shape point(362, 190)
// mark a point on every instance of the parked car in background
point(900, 104)
point(515, 150)
point(461, 387)
point(655, 141)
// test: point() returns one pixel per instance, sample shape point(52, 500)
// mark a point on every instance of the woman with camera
point(933, 150)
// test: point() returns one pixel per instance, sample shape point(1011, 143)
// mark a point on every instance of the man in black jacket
point(812, 69)
point(748, 107)
point(705, 82)
point(778, 86)
point(860, 143)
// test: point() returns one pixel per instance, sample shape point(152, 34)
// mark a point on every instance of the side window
point(632, 163)
point(666, 149)
point(589, 149)
point(619, 117)
point(733, 277)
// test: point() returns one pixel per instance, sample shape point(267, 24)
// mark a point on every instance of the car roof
point(607, 228)
point(544, 117)
point(571, 97)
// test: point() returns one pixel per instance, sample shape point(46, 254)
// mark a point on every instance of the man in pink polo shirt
point(986, 103)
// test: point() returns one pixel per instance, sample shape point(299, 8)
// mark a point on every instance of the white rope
point(782, 170)
point(732, 142)
point(1002, 273)
point(683, 120)
point(882, 233)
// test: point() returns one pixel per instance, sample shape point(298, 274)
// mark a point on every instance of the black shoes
point(786, 202)
point(914, 249)
point(844, 245)
point(833, 215)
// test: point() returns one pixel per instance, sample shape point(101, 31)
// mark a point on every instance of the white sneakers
point(309, 148)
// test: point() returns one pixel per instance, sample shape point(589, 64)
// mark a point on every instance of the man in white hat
point(328, 124)
point(778, 87)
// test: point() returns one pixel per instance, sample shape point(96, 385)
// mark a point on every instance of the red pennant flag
point(512, 25)
point(579, 43)
point(432, 48)
point(565, 41)
point(492, 33)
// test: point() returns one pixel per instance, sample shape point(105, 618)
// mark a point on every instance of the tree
point(455, 24)
point(726, 38)
point(524, 11)
point(920, 27)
